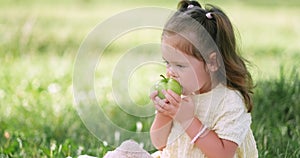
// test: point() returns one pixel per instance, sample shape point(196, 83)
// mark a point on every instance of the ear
point(213, 64)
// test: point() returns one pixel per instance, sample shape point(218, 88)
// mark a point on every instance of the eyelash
point(167, 63)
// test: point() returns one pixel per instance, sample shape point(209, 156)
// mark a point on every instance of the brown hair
point(219, 28)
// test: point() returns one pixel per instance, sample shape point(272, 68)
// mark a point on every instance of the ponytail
point(237, 75)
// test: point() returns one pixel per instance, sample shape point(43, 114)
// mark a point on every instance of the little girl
point(212, 116)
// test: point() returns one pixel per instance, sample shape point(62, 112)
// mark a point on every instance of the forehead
point(174, 55)
point(178, 42)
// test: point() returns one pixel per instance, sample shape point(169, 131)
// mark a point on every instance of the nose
point(171, 73)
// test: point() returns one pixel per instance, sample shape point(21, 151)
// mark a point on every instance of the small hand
point(186, 112)
point(158, 103)
point(180, 109)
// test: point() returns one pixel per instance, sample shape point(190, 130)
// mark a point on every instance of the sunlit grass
point(38, 46)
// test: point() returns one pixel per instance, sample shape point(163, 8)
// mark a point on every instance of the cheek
point(203, 77)
point(201, 73)
point(189, 87)
point(189, 81)
point(193, 81)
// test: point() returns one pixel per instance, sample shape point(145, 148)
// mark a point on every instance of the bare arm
point(211, 145)
point(161, 126)
point(160, 130)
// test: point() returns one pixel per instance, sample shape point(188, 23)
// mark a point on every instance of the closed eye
point(180, 66)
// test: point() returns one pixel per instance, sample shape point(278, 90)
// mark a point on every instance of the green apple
point(167, 83)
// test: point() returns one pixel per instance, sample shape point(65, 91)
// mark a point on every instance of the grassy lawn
point(39, 41)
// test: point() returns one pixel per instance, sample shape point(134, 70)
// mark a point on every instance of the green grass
point(38, 46)
point(276, 115)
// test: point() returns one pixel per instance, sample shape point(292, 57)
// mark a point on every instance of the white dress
point(224, 112)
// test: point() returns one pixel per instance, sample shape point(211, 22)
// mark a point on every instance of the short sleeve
point(232, 121)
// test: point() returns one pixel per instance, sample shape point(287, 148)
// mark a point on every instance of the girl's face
point(190, 72)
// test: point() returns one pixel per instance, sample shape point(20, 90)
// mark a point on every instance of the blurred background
point(39, 41)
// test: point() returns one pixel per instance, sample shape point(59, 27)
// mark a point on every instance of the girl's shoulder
point(230, 99)
point(222, 97)
point(233, 99)
point(221, 91)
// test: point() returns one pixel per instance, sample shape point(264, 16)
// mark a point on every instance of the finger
point(153, 95)
point(170, 98)
point(169, 109)
point(158, 108)
point(160, 102)
point(174, 95)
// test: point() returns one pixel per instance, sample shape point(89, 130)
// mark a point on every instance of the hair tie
point(190, 6)
point(208, 15)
